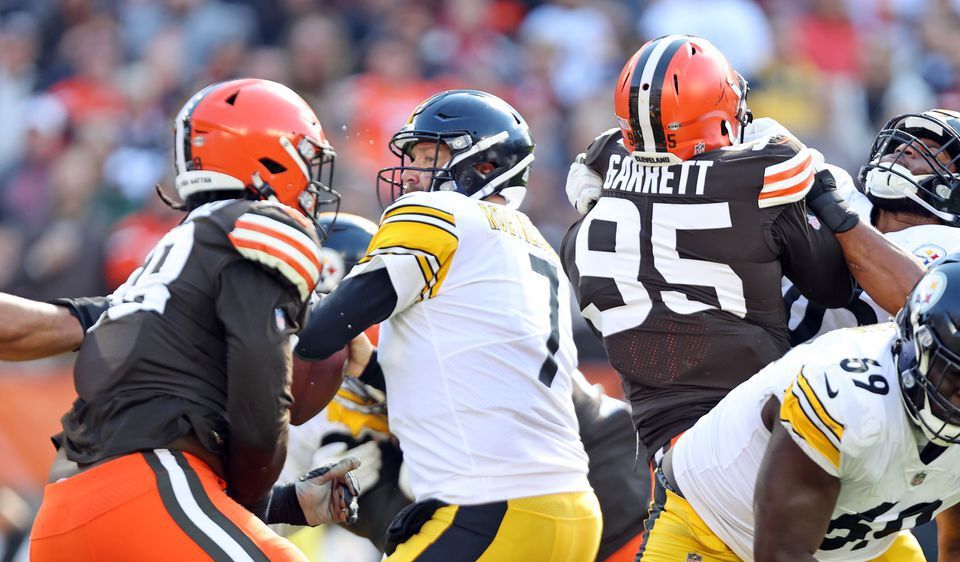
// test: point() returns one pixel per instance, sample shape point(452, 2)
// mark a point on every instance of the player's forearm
point(32, 330)
point(356, 304)
point(886, 272)
point(258, 378)
point(948, 535)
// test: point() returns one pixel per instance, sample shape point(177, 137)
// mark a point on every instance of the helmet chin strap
point(928, 421)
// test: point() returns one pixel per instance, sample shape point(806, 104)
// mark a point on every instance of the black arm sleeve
point(86, 310)
point(258, 316)
point(355, 305)
point(373, 374)
point(812, 259)
point(284, 507)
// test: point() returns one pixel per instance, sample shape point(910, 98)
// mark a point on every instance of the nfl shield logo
point(691, 557)
point(918, 478)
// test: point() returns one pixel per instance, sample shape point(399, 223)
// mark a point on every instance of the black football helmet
point(890, 185)
point(348, 237)
point(928, 351)
point(477, 127)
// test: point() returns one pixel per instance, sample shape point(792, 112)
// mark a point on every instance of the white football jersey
point(478, 354)
point(929, 242)
point(841, 403)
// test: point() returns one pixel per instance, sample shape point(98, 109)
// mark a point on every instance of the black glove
point(829, 206)
point(85, 309)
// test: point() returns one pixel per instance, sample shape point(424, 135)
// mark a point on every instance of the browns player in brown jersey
point(677, 265)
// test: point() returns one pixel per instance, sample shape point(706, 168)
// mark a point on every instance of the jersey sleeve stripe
point(419, 210)
point(783, 170)
point(800, 421)
point(269, 242)
point(785, 196)
point(271, 256)
point(418, 235)
point(423, 219)
point(282, 232)
point(835, 427)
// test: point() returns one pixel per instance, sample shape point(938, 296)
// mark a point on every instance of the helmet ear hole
point(273, 166)
point(723, 129)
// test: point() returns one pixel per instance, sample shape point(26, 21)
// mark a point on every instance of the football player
point(180, 427)
point(475, 344)
point(355, 424)
point(831, 453)
point(678, 264)
point(909, 179)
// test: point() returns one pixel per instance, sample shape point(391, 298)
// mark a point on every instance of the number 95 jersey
point(679, 267)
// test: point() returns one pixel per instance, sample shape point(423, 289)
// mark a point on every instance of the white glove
point(329, 494)
point(764, 127)
point(368, 453)
point(583, 185)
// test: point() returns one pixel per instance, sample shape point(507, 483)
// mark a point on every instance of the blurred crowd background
point(88, 89)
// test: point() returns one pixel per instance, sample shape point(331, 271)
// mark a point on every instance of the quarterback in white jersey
point(908, 179)
point(830, 452)
point(475, 345)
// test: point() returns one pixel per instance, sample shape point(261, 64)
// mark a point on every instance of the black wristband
point(834, 212)
point(87, 310)
point(284, 507)
point(373, 374)
point(829, 206)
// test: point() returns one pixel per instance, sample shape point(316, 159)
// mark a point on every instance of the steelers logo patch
point(929, 291)
point(332, 270)
point(929, 253)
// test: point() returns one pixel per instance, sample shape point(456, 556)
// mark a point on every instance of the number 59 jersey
point(841, 404)
point(678, 268)
point(478, 353)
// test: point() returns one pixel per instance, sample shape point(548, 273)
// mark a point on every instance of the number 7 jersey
point(678, 268)
point(478, 353)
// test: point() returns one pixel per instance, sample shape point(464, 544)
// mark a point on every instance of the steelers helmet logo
point(332, 270)
point(929, 253)
point(928, 291)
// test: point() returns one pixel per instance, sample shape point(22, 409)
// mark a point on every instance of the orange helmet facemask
point(678, 97)
point(256, 136)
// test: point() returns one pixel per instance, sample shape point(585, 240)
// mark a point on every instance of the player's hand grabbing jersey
point(198, 338)
point(929, 242)
point(678, 268)
point(841, 404)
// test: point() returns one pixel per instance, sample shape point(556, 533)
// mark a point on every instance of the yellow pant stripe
point(429, 533)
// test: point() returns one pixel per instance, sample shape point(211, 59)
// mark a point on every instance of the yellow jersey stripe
point(835, 427)
point(793, 413)
point(434, 244)
point(419, 210)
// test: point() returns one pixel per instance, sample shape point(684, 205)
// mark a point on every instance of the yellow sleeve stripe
point(431, 244)
point(419, 210)
point(835, 427)
point(793, 413)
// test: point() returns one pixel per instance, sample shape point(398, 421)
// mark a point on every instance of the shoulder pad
point(788, 167)
point(929, 242)
point(598, 153)
point(440, 205)
point(837, 408)
point(281, 240)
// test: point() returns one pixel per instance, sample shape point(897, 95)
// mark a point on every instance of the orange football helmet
point(678, 97)
point(257, 136)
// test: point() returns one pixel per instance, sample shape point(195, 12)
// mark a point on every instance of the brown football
point(314, 385)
